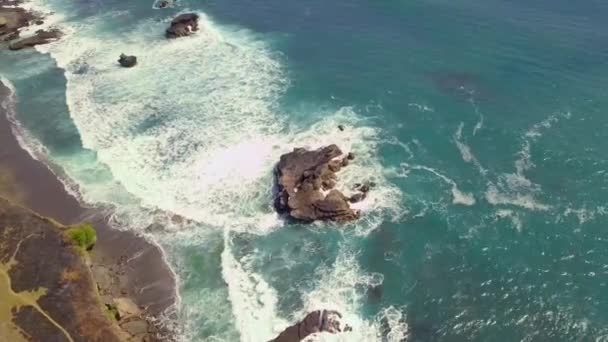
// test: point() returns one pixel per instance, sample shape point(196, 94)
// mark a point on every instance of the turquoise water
point(483, 124)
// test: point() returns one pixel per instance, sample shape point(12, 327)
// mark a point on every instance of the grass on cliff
point(82, 236)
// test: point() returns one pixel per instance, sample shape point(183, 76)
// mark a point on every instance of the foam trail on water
point(458, 196)
point(480, 122)
point(465, 150)
point(515, 188)
point(420, 107)
point(513, 216)
point(254, 301)
point(24, 138)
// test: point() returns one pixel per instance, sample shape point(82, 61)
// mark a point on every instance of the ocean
point(483, 124)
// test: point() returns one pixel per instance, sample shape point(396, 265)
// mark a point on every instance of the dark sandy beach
point(124, 264)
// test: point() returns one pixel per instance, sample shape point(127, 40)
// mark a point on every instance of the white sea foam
point(24, 138)
point(341, 287)
point(254, 301)
point(406, 147)
point(421, 107)
point(465, 150)
point(585, 215)
point(50, 19)
point(527, 201)
point(480, 121)
point(195, 129)
point(205, 132)
point(515, 188)
point(30, 144)
point(511, 215)
point(458, 197)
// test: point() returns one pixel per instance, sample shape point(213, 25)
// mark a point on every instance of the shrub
point(83, 236)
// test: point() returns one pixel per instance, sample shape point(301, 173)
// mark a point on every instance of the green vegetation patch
point(82, 236)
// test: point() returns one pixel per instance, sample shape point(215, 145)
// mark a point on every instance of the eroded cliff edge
point(129, 272)
point(46, 289)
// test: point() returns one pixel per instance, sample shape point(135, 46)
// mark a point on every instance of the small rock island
point(183, 25)
point(306, 182)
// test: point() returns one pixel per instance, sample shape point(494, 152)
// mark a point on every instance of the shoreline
point(124, 264)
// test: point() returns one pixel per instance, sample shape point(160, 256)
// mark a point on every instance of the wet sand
point(129, 265)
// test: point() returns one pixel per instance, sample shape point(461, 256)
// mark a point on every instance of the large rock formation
point(183, 25)
point(306, 181)
point(315, 322)
point(41, 37)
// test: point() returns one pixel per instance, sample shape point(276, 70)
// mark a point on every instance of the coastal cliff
point(124, 284)
point(46, 289)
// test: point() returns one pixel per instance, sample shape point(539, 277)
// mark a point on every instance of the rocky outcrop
point(306, 180)
point(50, 294)
point(183, 25)
point(41, 37)
point(12, 19)
point(127, 61)
point(315, 322)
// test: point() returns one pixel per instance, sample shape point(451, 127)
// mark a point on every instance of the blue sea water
point(482, 122)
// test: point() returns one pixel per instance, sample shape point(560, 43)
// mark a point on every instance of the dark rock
point(364, 187)
point(350, 156)
point(374, 293)
point(39, 22)
point(10, 36)
point(300, 175)
point(341, 128)
point(183, 25)
point(314, 322)
point(41, 37)
point(163, 4)
point(358, 197)
point(127, 61)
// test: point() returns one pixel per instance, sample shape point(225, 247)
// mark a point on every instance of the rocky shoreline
point(132, 278)
point(14, 18)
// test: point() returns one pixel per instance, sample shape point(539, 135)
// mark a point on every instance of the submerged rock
point(183, 25)
point(314, 322)
point(301, 176)
point(127, 61)
point(41, 37)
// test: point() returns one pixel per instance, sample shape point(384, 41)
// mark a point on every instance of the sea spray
point(201, 142)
